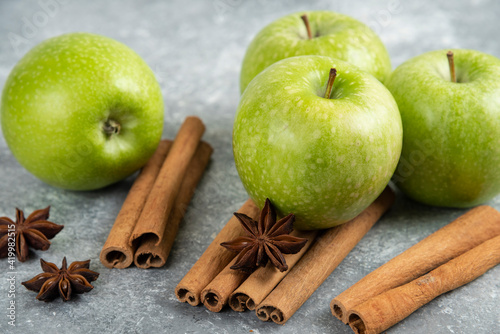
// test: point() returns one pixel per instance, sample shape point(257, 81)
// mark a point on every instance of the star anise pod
point(34, 231)
point(267, 239)
point(62, 281)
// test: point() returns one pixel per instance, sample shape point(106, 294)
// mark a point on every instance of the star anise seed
point(63, 281)
point(266, 240)
point(34, 231)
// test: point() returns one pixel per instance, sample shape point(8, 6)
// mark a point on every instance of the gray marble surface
point(195, 48)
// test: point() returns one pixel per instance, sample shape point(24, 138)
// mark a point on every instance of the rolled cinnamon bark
point(215, 295)
point(385, 310)
point(320, 261)
point(149, 254)
point(159, 203)
point(263, 280)
point(214, 259)
point(117, 252)
point(466, 232)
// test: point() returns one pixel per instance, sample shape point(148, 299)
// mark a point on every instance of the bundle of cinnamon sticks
point(447, 259)
point(272, 294)
point(147, 224)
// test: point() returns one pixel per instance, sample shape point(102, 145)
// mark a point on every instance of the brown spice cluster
point(32, 232)
point(266, 240)
point(63, 282)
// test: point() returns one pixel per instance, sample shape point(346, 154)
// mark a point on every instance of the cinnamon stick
point(466, 232)
point(148, 254)
point(159, 203)
point(385, 310)
point(214, 259)
point(263, 280)
point(215, 295)
point(117, 252)
point(320, 261)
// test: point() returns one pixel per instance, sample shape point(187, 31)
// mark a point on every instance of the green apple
point(81, 111)
point(333, 35)
point(451, 150)
point(323, 159)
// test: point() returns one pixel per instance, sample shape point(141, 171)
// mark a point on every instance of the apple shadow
point(122, 186)
point(406, 207)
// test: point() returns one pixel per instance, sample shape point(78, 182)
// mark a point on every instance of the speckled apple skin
point(340, 37)
point(451, 150)
point(325, 160)
point(57, 98)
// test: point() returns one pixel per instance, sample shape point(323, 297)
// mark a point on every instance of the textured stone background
point(195, 48)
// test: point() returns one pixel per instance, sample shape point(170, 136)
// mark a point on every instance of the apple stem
point(111, 127)
point(308, 27)
point(452, 66)
point(329, 85)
